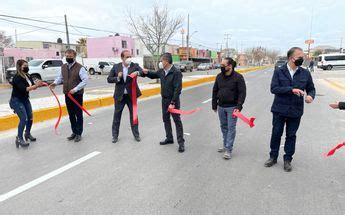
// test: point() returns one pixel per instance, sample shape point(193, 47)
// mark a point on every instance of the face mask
point(222, 68)
point(70, 60)
point(160, 65)
point(299, 61)
point(26, 69)
point(128, 61)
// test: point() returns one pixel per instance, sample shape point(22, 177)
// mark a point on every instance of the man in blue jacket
point(290, 84)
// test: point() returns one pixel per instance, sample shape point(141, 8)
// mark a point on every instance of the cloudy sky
point(277, 24)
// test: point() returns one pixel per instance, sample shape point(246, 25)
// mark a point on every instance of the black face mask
point(299, 61)
point(70, 60)
point(26, 69)
point(222, 68)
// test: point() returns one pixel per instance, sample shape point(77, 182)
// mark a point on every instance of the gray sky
point(275, 24)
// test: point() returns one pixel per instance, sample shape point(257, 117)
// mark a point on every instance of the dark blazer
point(120, 84)
point(285, 102)
point(19, 87)
point(171, 84)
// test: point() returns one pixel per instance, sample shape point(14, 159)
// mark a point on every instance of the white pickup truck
point(102, 68)
point(42, 69)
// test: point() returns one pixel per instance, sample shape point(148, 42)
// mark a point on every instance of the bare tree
point(272, 55)
point(155, 30)
point(5, 41)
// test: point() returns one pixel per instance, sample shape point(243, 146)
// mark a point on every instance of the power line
point(49, 22)
point(35, 26)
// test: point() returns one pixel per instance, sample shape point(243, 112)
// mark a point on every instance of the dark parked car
point(279, 63)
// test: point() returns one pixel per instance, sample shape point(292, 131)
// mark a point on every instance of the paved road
point(146, 178)
point(95, 82)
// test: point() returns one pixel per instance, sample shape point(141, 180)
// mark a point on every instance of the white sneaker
point(227, 155)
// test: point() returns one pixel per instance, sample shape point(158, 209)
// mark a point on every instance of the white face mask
point(128, 61)
point(160, 65)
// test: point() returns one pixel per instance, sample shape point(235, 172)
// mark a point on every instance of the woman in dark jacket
point(22, 84)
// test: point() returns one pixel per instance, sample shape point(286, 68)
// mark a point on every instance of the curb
point(11, 121)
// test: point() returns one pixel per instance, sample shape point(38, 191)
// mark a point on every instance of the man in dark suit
point(171, 86)
point(289, 84)
point(119, 75)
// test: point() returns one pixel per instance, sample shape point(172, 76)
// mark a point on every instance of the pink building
point(14, 54)
point(108, 47)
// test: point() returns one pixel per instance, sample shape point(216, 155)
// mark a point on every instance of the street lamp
point(188, 38)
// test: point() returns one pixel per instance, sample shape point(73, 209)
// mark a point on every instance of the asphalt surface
point(146, 178)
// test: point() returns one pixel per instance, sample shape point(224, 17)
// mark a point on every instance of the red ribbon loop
point(181, 112)
point(59, 104)
point(134, 98)
point(332, 151)
point(77, 103)
point(249, 121)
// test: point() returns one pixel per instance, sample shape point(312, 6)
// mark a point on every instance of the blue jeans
point(228, 126)
point(24, 111)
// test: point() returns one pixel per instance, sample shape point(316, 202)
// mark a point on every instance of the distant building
point(59, 46)
point(110, 47)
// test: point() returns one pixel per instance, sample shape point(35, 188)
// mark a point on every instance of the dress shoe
point(77, 138)
point(115, 139)
point(181, 148)
point(71, 137)
point(137, 138)
point(165, 142)
point(287, 166)
point(270, 162)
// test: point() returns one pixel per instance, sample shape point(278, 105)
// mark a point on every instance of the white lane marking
point(188, 134)
point(46, 177)
point(208, 100)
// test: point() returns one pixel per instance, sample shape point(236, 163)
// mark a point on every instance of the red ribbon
point(134, 98)
point(76, 102)
point(59, 104)
point(332, 151)
point(181, 112)
point(249, 121)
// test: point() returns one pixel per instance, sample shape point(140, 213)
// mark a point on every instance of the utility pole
point(15, 35)
point(67, 34)
point(227, 37)
point(182, 32)
point(188, 37)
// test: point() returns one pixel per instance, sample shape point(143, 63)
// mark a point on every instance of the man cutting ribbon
point(229, 93)
point(171, 87)
point(74, 78)
point(124, 76)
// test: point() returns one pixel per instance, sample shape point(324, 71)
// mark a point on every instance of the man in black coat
point(171, 86)
point(290, 83)
point(119, 75)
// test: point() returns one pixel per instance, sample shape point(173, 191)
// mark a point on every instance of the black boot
point(21, 142)
point(29, 137)
point(270, 162)
point(181, 148)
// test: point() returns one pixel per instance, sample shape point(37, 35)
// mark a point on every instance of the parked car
point(216, 66)
point(102, 68)
point(42, 69)
point(205, 66)
point(186, 66)
point(329, 61)
point(279, 63)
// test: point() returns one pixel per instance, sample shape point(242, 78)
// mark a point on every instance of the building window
point(137, 51)
point(57, 54)
point(132, 52)
point(124, 44)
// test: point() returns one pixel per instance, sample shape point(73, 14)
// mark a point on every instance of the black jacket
point(171, 84)
point(19, 87)
point(285, 102)
point(120, 84)
point(229, 91)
